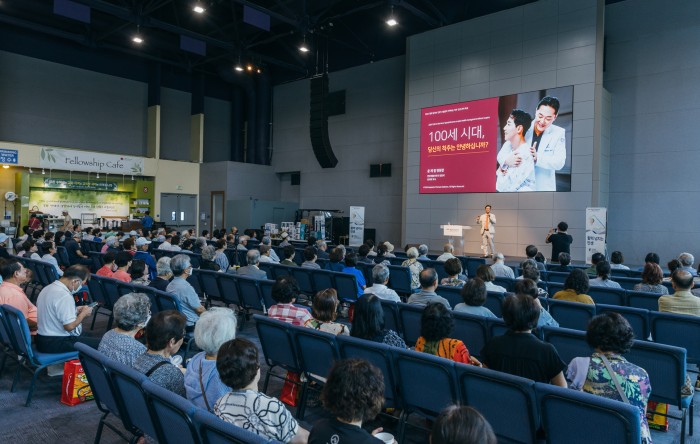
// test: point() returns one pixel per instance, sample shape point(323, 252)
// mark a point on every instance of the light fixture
point(198, 8)
point(6, 166)
point(391, 21)
point(98, 176)
point(239, 66)
point(43, 171)
point(249, 67)
point(30, 170)
point(137, 37)
point(132, 177)
point(303, 47)
point(259, 71)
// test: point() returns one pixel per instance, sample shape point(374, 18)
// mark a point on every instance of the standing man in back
point(488, 230)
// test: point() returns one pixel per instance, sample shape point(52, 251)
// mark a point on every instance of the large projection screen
point(470, 147)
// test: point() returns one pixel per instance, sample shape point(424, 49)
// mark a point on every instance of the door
point(179, 211)
point(217, 211)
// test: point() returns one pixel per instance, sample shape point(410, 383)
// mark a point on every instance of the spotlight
point(303, 47)
point(249, 67)
point(238, 68)
point(259, 71)
point(391, 21)
point(6, 166)
point(198, 8)
point(137, 39)
point(43, 171)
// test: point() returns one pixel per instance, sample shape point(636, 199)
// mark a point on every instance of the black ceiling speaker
point(318, 122)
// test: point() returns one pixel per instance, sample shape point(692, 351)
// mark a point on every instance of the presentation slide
point(514, 143)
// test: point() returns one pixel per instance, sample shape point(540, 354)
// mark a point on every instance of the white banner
point(357, 226)
point(596, 231)
point(74, 160)
point(76, 202)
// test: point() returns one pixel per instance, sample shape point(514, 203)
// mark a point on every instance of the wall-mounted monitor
point(514, 143)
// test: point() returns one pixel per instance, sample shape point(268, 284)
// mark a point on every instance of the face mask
point(145, 323)
point(77, 289)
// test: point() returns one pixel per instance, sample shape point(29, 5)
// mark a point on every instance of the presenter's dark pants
point(63, 344)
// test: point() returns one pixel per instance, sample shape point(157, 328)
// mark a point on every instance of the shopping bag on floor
point(290, 389)
point(657, 422)
point(75, 384)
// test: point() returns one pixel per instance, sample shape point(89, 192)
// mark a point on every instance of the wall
point(541, 45)
point(369, 132)
point(175, 124)
point(217, 130)
point(51, 104)
point(652, 72)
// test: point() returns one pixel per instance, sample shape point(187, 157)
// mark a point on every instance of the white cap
point(284, 235)
point(3, 237)
point(133, 233)
point(140, 242)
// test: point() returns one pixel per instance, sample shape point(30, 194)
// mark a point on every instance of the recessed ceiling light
point(199, 9)
point(137, 39)
point(392, 22)
point(238, 68)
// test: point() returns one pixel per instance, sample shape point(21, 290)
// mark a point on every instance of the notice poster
point(76, 202)
point(596, 231)
point(357, 226)
point(514, 143)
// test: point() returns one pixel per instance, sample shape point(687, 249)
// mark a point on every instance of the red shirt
point(105, 271)
point(121, 276)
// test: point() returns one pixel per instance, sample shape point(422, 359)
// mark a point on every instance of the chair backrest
point(392, 321)
point(666, 366)
point(194, 281)
point(366, 270)
point(277, 343)
point(346, 285)
point(505, 282)
point(637, 317)
point(489, 391)
point(166, 301)
point(642, 299)
point(171, 414)
point(557, 276)
point(627, 283)
point(569, 343)
point(129, 392)
point(678, 330)
point(472, 330)
point(567, 416)
point(498, 327)
point(452, 294)
point(322, 279)
point(608, 296)
point(125, 288)
point(19, 333)
point(62, 256)
point(214, 430)
point(111, 291)
point(250, 293)
point(554, 287)
point(410, 316)
point(414, 370)
point(208, 281)
point(573, 315)
point(268, 268)
point(97, 292)
point(266, 292)
point(303, 278)
point(494, 302)
point(228, 286)
point(98, 377)
point(5, 334)
point(472, 263)
point(317, 350)
point(400, 279)
point(381, 356)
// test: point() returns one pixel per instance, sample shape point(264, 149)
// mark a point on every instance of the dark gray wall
point(175, 121)
point(217, 130)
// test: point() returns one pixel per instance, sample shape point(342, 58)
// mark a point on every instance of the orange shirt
point(105, 271)
point(13, 295)
point(121, 276)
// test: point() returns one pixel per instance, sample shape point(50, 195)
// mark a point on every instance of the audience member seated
point(595, 258)
point(564, 263)
point(251, 270)
point(428, 282)
point(363, 255)
point(389, 249)
point(530, 271)
point(183, 291)
point(165, 333)
point(455, 278)
point(266, 241)
point(207, 261)
point(561, 240)
point(111, 244)
point(423, 252)
point(380, 280)
point(188, 245)
point(415, 267)
point(49, 248)
point(129, 245)
point(336, 259)
point(59, 321)
point(448, 250)
point(682, 301)
point(616, 261)
point(310, 259)
point(202, 382)
point(531, 251)
point(131, 315)
point(368, 322)
point(372, 249)
point(687, 260)
point(324, 311)
point(461, 425)
point(139, 273)
point(519, 352)
point(486, 274)
point(176, 243)
point(220, 257)
point(285, 291)
point(289, 253)
point(75, 255)
point(142, 254)
point(199, 243)
point(265, 257)
point(166, 244)
point(163, 275)
point(29, 250)
point(285, 239)
point(380, 257)
point(610, 336)
point(435, 328)
point(603, 276)
point(244, 406)
point(575, 288)
point(351, 268)
point(242, 243)
point(353, 394)
point(528, 287)
point(122, 263)
point(14, 275)
point(500, 269)
point(321, 247)
point(673, 265)
point(652, 276)
point(474, 295)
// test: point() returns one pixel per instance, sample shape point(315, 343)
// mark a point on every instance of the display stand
point(452, 231)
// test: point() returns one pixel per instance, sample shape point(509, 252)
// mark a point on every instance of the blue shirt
point(148, 259)
point(189, 301)
point(209, 378)
point(360, 278)
point(147, 222)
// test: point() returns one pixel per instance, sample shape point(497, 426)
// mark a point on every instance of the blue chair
point(627, 283)
point(678, 330)
point(62, 256)
point(103, 391)
point(608, 296)
point(303, 278)
point(452, 294)
point(266, 292)
point(554, 287)
point(569, 343)
point(22, 344)
point(575, 417)
point(494, 302)
point(278, 347)
point(317, 352)
point(111, 292)
point(379, 355)
point(489, 391)
point(171, 414)
point(322, 279)
point(214, 430)
point(209, 283)
point(505, 282)
point(472, 264)
point(5, 341)
point(392, 320)
point(557, 276)
point(97, 294)
point(250, 294)
point(637, 317)
point(267, 267)
point(228, 288)
point(644, 300)
point(366, 270)
point(414, 369)
point(410, 316)
point(166, 301)
point(194, 281)
point(400, 279)
point(471, 330)
point(498, 327)
point(573, 315)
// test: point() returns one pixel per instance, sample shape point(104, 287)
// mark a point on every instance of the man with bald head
point(682, 301)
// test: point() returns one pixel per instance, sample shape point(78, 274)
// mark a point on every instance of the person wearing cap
point(273, 255)
point(67, 221)
point(3, 246)
point(142, 253)
point(285, 239)
point(112, 243)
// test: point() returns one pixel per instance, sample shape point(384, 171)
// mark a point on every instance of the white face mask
point(77, 289)
point(145, 323)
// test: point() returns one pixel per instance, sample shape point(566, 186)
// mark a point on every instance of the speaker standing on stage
point(488, 230)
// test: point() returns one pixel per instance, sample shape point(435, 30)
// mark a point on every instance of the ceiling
point(340, 33)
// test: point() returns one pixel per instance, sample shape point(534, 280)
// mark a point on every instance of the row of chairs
point(529, 404)
point(146, 408)
point(627, 283)
point(313, 280)
point(43, 273)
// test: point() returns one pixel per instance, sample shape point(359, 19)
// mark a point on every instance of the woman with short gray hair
point(207, 261)
point(131, 314)
point(164, 274)
point(202, 383)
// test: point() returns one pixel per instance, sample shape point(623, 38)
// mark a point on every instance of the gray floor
point(48, 421)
